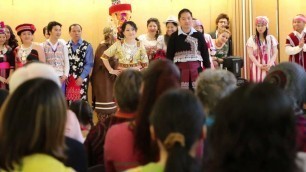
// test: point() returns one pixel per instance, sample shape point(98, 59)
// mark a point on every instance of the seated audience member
point(254, 130)
point(128, 145)
point(291, 77)
point(211, 87)
point(73, 134)
point(177, 126)
point(83, 111)
point(40, 70)
point(127, 93)
point(38, 108)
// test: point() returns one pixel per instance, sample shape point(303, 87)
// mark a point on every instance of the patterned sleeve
point(111, 51)
point(143, 55)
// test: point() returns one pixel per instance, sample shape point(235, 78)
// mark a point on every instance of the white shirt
point(180, 31)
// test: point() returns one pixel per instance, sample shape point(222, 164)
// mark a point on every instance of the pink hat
point(2, 27)
point(300, 17)
point(197, 23)
point(262, 20)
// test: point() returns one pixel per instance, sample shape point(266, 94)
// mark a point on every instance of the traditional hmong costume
point(78, 61)
point(263, 53)
point(297, 54)
point(102, 84)
point(7, 63)
point(293, 40)
point(188, 52)
point(57, 56)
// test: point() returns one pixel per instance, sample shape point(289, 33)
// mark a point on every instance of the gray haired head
point(290, 77)
point(213, 85)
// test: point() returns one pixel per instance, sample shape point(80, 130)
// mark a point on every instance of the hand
point(139, 67)
point(3, 80)
point(265, 67)
point(79, 81)
point(115, 72)
point(8, 79)
point(220, 60)
point(301, 43)
point(63, 78)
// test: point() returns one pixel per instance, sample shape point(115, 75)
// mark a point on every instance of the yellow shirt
point(42, 163)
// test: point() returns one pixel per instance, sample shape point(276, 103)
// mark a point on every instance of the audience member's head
point(254, 130)
point(177, 125)
point(32, 121)
point(127, 90)
point(290, 77)
point(83, 111)
point(160, 76)
point(33, 70)
point(212, 86)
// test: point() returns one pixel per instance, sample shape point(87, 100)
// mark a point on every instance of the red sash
point(73, 90)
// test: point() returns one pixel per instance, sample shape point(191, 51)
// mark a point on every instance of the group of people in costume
point(137, 81)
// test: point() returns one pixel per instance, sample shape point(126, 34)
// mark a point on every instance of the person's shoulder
point(62, 41)
point(198, 34)
point(37, 45)
point(142, 37)
point(160, 37)
point(174, 34)
point(147, 168)
point(52, 164)
point(119, 127)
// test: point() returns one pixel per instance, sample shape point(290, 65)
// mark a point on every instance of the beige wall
point(93, 14)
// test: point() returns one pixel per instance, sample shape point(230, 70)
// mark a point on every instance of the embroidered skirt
point(189, 73)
